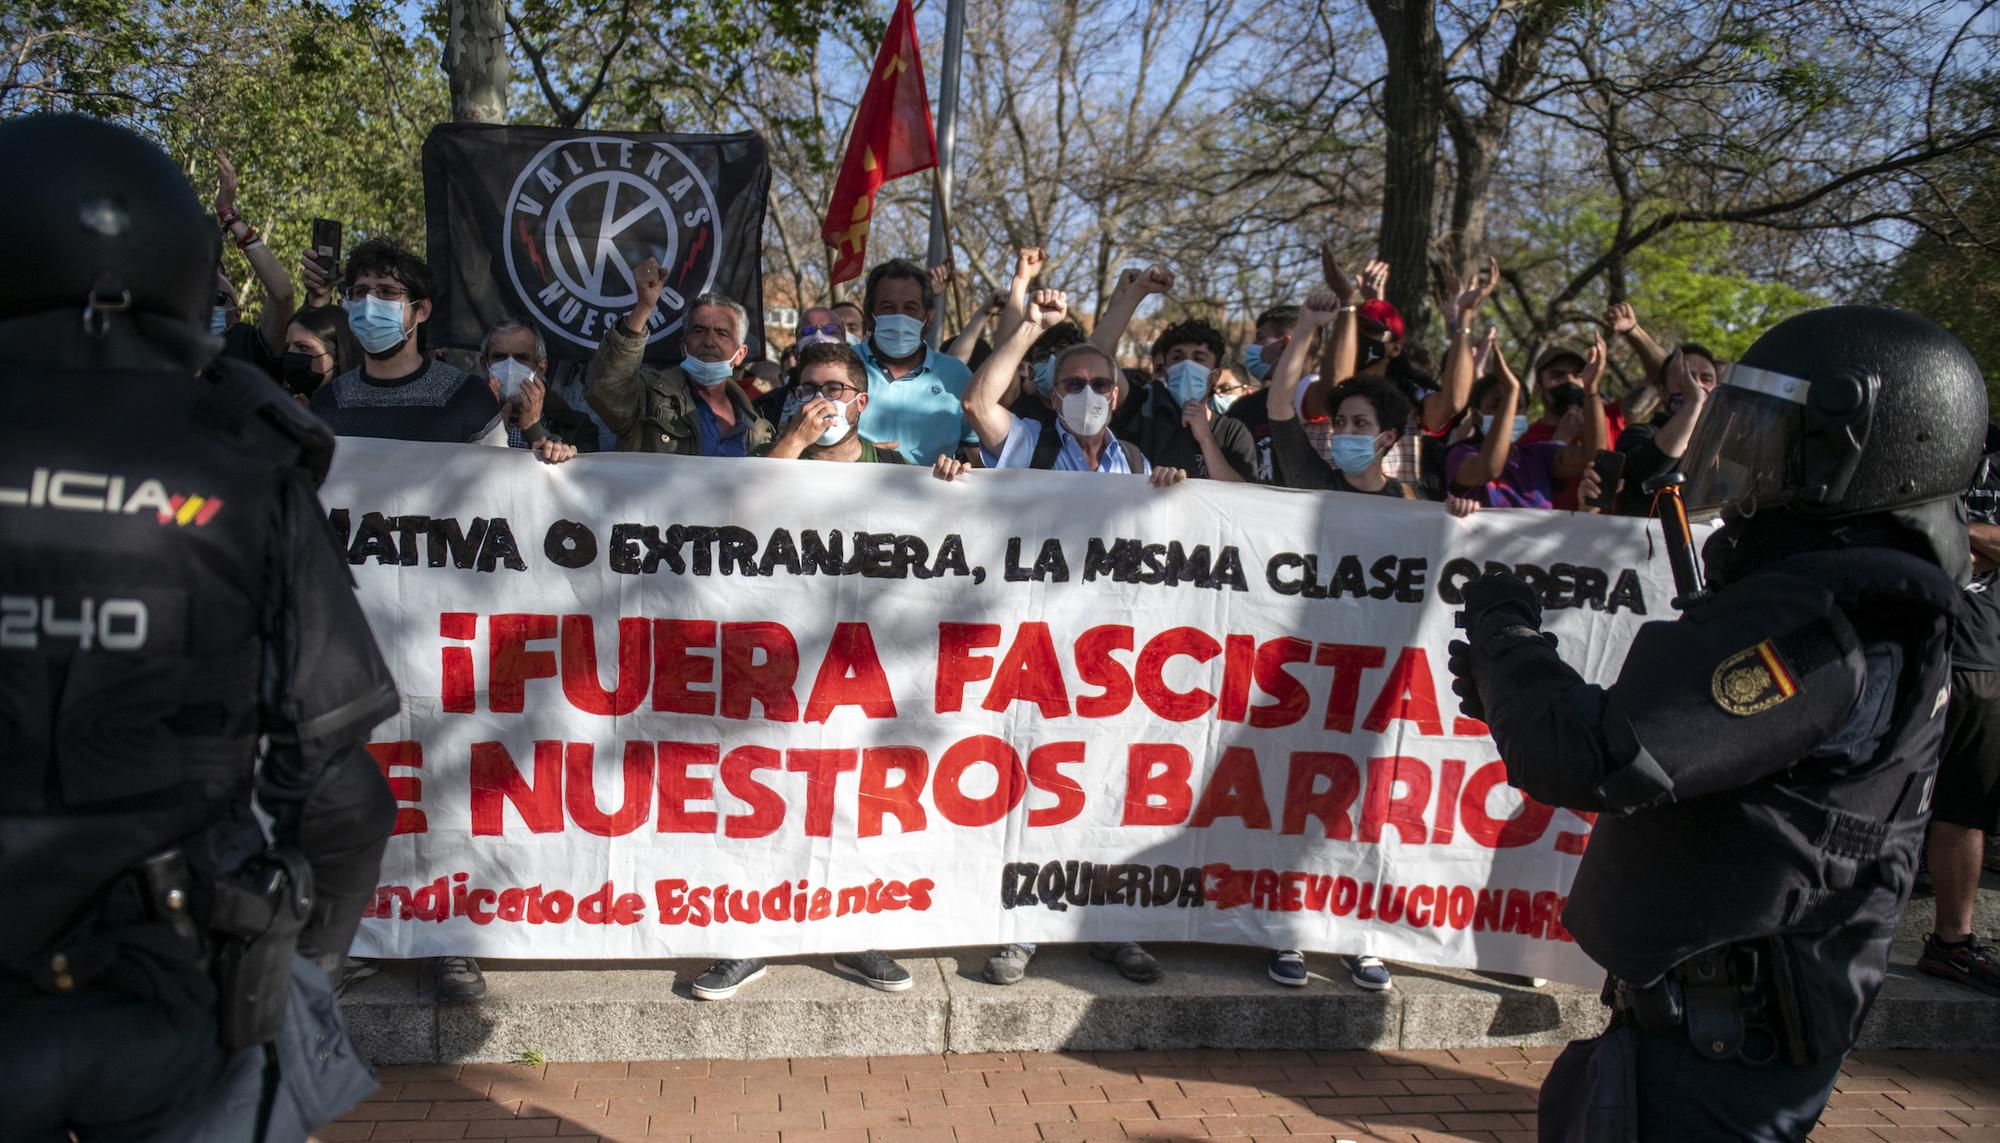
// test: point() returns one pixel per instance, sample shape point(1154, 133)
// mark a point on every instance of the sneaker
point(1009, 965)
point(1288, 966)
point(724, 977)
point(355, 971)
point(459, 978)
point(875, 969)
point(1965, 962)
point(1368, 972)
point(1134, 963)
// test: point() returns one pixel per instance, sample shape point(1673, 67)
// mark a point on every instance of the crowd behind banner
point(1331, 390)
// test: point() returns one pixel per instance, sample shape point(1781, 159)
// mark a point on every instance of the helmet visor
point(1744, 452)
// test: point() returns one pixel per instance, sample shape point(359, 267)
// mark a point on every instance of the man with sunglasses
point(399, 392)
point(1086, 393)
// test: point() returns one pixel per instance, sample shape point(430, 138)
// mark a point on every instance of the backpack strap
point(1048, 446)
point(1134, 459)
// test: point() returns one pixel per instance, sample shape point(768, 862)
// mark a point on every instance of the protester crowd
point(1331, 391)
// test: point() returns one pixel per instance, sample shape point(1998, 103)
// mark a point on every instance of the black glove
point(1493, 603)
point(1499, 598)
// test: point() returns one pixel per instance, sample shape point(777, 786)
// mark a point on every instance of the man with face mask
point(832, 391)
point(1159, 423)
point(399, 392)
point(695, 408)
point(1086, 387)
point(517, 369)
point(1559, 381)
point(914, 390)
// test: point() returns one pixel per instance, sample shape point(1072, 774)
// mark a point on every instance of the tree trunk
point(1412, 108)
point(475, 59)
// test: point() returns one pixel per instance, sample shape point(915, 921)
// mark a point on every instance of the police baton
point(1672, 513)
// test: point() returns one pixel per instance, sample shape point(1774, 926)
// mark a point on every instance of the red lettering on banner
point(678, 787)
point(1096, 667)
point(1331, 804)
point(1290, 699)
point(1030, 673)
point(496, 782)
point(1172, 705)
point(948, 793)
point(1570, 841)
point(1239, 655)
point(580, 788)
point(767, 809)
point(1451, 775)
point(1343, 693)
point(1524, 828)
point(676, 669)
point(1234, 790)
point(850, 675)
point(511, 663)
point(457, 692)
point(1045, 764)
point(580, 681)
point(768, 680)
point(879, 798)
point(1157, 770)
point(822, 769)
point(1406, 695)
point(957, 665)
point(1383, 806)
point(403, 787)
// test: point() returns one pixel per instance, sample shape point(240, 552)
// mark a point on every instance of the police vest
point(1823, 856)
point(139, 511)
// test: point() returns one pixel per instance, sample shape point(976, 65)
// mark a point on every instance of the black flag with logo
point(548, 224)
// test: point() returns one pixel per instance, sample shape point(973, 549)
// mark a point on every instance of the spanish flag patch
point(1753, 680)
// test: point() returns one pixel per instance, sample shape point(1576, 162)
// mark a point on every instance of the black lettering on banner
point(570, 544)
point(500, 548)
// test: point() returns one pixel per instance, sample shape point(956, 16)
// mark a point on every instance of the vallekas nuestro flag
point(892, 137)
point(548, 224)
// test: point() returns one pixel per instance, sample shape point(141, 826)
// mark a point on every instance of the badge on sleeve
point(1753, 680)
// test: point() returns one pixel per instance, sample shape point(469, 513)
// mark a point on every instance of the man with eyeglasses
point(832, 391)
point(1086, 390)
point(695, 408)
point(398, 392)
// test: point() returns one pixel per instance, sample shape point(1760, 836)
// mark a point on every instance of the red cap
point(1382, 315)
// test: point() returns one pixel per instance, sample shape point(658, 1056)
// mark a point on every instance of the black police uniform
point(1763, 766)
point(177, 631)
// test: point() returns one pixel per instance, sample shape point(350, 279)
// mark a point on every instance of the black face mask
point(298, 372)
point(1564, 397)
point(1369, 353)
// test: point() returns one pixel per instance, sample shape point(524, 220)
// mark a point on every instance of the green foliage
point(1952, 278)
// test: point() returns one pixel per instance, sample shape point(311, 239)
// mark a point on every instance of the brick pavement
point(1301, 1097)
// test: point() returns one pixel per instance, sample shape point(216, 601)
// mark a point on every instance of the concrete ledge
point(1212, 997)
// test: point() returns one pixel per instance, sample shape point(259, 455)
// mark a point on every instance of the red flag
point(892, 137)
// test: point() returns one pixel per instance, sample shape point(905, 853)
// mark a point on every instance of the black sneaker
point(724, 977)
point(1964, 962)
point(459, 979)
point(1134, 963)
point(876, 969)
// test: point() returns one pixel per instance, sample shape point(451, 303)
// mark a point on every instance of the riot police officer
point(1762, 766)
point(177, 633)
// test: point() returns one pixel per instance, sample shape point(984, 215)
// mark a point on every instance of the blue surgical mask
point(1352, 452)
point(1187, 381)
point(898, 336)
point(1253, 360)
point(707, 374)
point(377, 324)
point(1220, 403)
point(218, 321)
point(1045, 376)
point(1520, 425)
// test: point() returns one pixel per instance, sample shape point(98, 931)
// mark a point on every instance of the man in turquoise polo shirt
point(914, 391)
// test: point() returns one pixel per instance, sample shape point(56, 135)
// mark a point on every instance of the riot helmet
point(99, 220)
point(1839, 412)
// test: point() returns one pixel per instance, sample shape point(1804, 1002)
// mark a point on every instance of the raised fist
point(1047, 308)
point(1029, 262)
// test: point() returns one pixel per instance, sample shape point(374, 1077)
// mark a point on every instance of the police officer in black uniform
point(177, 633)
point(1762, 765)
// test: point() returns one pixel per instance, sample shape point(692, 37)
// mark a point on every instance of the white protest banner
point(665, 706)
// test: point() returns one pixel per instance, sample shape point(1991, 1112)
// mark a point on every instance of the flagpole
point(947, 138)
